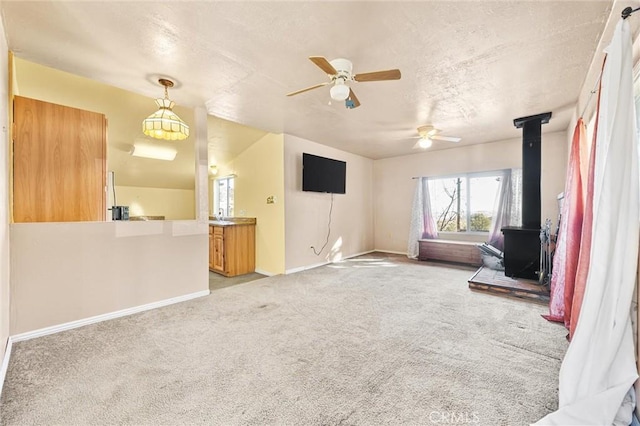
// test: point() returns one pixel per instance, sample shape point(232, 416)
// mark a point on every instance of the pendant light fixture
point(164, 123)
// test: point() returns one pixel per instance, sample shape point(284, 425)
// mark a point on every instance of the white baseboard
point(5, 362)
point(404, 253)
point(304, 268)
point(316, 265)
point(263, 272)
point(104, 317)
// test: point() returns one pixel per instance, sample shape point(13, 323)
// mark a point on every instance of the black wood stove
point(522, 243)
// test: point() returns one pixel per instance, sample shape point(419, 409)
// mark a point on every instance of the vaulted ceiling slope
point(469, 68)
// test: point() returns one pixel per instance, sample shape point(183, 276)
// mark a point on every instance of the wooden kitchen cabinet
point(232, 249)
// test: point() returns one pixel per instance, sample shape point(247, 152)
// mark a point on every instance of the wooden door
point(218, 249)
point(59, 163)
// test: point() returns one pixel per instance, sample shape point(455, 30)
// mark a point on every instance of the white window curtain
point(515, 218)
point(423, 225)
point(508, 206)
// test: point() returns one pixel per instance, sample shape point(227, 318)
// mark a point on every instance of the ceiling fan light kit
point(164, 123)
point(340, 91)
point(428, 134)
point(425, 143)
point(340, 73)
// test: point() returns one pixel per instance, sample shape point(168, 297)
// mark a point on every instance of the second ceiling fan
point(428, 134)
point(340, 74)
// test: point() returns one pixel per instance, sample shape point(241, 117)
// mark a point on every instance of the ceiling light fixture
point(155, 152)
point(164, 123)
point(340, 91)
point(425, 143)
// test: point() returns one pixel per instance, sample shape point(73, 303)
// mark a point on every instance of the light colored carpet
point(375, 340)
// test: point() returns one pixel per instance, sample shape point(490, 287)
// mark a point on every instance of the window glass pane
point(482, 196)
point(449, 203)
point(464, 203)
point(222, 197)
point(230, 186)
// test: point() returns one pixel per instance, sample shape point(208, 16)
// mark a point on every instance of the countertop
point(232, 221)
point(146, 217)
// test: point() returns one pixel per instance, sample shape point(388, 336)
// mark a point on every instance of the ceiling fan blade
point(378, 75)
point(308, 88)
point(352, 101)
point(323, 64)
point(446, 138)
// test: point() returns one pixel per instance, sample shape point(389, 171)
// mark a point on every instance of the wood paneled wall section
point(59, 161)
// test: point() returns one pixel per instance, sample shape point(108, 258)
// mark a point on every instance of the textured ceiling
point(469, 68)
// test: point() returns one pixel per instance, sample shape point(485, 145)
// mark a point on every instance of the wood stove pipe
point(531, 167)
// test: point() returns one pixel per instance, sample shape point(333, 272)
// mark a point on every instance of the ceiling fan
point(340, 73)
point(428, 134)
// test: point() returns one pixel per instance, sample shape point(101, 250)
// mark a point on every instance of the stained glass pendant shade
point(164, 123)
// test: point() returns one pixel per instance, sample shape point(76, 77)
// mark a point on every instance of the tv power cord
point(328, 231)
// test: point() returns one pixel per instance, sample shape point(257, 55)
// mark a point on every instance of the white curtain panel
point(501, 216)
point(515, 218)
point(422, 223)
point(599, 368)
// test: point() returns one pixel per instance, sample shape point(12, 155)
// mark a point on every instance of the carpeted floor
point(374, 340)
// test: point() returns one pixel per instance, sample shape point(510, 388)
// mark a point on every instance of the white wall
point(4, 195)
point(307, 213)
point(173, 204)
point(62, 272)
point(394, 186)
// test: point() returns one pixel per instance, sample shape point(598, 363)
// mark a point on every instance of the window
point(464, 203)
point(224, 196)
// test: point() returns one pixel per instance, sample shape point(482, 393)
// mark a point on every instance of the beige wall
point(173, 204)
point(554, 174)
point(394, 186)
point(259, 174)
point(4, 196)
point(62, 272)
point(307, 213)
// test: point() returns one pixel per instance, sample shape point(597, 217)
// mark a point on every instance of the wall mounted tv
point(320, 174)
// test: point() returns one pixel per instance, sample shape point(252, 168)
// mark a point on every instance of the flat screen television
point(320, 174)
